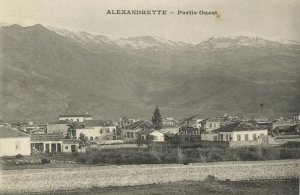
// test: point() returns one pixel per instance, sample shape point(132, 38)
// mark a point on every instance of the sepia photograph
point(154, 97)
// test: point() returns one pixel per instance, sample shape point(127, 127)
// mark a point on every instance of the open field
point(38, 180)
point(247, 187)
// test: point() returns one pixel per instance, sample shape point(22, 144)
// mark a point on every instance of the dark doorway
point(47, 148)
point(58, 147)
point(73, 148)
point(53, 148)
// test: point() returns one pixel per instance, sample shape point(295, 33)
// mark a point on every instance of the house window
point(91, 138)
point(107, 130)
point(221, 137)
point(129, 134)
point(101, 131)
point(66, 147)
point(210, 125)
point(246, 137)
point(254, 137)
point(238, 137)
point(227, 137)
point(215, 138)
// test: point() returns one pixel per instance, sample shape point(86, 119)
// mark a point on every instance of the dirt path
point(37, 180)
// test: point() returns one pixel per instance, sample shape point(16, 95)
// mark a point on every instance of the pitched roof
point(8, 132)
point(143, 124)
point(211, 120)
point(60, 122)
point(96, 123)
point(71, 141)
point(74, 115)
point(46, 137)
point(238, 126)
point(190, 118)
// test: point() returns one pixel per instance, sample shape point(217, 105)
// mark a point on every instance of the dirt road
point(38, 180)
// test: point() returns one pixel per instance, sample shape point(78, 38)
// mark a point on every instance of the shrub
point(211, 178)
point(291, 145)
point(18, 156)
point(45, 160)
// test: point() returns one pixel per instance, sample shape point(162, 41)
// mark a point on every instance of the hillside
point(46, 71)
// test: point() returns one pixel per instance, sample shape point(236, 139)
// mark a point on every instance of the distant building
point(168, 121)
point(210, 124)
point(193, 121)
point(130, 132)
point(73, 146)
point(98, 130)
point(30, 127)
point(296, 118)
point(126, 121)
point(280, 124)
point(75, 117)
point(240, 131)
point(58, 127)
point(13, 142)
point(189, 131)
point(46, 143)
point(160, 135)
point(209, 136)
point(287, 130)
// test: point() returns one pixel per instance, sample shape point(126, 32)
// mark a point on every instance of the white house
point(46, 143)
point(131, 132)
point(13, 142)
point(72, 146)
point(210, 124)
point(75, 117)
point(98, 130)
point(209, 136)
point(107, 130)
point(240, 132)
point(158, 136)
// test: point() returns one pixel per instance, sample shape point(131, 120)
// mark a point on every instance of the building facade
point(13, 142)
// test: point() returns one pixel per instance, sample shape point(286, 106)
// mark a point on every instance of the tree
point(83, 138)
point(156, 119)
point(71, 130)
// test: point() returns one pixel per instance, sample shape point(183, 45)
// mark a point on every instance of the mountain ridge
point(45, 73)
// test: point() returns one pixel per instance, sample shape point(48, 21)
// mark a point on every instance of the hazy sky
point(273, 18)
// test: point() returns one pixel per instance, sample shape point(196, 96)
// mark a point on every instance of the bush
point(18, 156)
point(291, 145)
point(211, 178)
point(45, 160)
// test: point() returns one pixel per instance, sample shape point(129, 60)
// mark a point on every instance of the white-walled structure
point(75, 118)
point(97, 133)
point(209, 136)
point(240, 132)
point(13, 142)
point(46, 143)
point(158, 136)
point(210, 124)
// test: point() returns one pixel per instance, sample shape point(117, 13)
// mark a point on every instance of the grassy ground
point(272, 187)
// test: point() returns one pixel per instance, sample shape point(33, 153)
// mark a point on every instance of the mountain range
point(46, 71)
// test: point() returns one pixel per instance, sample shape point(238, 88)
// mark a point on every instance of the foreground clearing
point(266, 187)
point(40, 180)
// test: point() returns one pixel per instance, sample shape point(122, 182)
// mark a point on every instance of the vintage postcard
point(149, 97)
